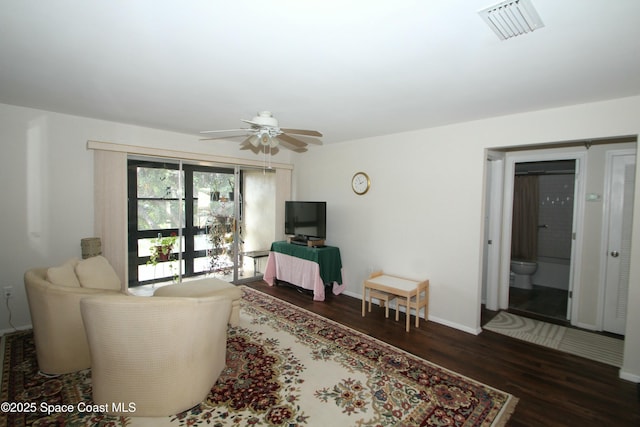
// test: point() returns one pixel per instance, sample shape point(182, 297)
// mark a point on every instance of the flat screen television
point(305, 220)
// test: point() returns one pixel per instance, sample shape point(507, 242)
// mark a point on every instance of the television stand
point(306, 267)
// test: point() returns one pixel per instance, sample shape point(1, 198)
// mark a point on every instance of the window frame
point(188, 233)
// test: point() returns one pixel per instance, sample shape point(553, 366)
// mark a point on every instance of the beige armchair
point(160, 355)
point(60, 339)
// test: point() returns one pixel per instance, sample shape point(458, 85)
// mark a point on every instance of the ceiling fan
point(265, 134)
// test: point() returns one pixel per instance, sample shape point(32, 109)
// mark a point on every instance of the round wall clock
point(360, 183)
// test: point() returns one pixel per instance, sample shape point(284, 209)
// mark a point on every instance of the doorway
point(541, 238)
point(501, 211)
point(591, 252)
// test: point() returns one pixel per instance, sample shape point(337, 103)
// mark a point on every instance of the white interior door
point(493, 219)
point(619, 208)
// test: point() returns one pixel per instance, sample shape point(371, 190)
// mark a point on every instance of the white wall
point(47, 192)
point(411, 222)
point(423, 217)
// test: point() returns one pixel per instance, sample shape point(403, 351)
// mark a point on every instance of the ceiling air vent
point(512, 18)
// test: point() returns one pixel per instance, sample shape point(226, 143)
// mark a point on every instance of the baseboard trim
point(444, 322)
point(634, 378)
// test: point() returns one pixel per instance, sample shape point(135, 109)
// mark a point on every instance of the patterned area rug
point(285, 367)
point(581, 343)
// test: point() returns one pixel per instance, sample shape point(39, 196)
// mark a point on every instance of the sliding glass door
point(189, 220)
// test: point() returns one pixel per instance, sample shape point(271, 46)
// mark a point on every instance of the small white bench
point(206, 287)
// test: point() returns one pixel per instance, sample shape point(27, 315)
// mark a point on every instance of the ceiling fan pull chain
point(264, 161)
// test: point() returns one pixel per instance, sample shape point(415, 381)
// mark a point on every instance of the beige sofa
point(161, 355)
point(54, 296)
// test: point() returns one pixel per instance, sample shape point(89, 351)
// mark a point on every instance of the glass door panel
point(155, 212)
point(213, 223)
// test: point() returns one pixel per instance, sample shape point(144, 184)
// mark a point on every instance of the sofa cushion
point(200, 288)
point(64, 275)
point(97, 273)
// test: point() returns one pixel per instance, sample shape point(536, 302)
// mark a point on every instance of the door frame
point(501, 289)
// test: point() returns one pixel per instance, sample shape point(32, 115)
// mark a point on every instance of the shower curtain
point(524, 226)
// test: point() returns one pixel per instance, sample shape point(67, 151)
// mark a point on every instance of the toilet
point(522, 271)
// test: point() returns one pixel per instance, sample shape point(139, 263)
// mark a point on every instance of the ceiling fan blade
point(261, 149)
point(301, 132)
point(273, 150)
point(256, 125)
point(289, 146)
point(226, 130)
point(309, 140)
point(254, 150)
point(291, 140)
point(223, 137)
point(313, 141)
point(246, 142)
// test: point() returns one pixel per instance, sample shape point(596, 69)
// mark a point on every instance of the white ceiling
point(348, 68)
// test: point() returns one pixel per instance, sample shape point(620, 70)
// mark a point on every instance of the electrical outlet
point(8, 291)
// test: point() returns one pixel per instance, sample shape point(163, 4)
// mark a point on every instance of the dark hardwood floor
point(540, 301)
point(553, 388)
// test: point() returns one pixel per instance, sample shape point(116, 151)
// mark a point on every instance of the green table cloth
point(327, 258)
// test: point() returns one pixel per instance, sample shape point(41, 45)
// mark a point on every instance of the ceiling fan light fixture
point(265, 139)
point(254, 140)
point(512, 18)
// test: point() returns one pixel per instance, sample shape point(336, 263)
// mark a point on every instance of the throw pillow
point(65, 274)
point(97, 273)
